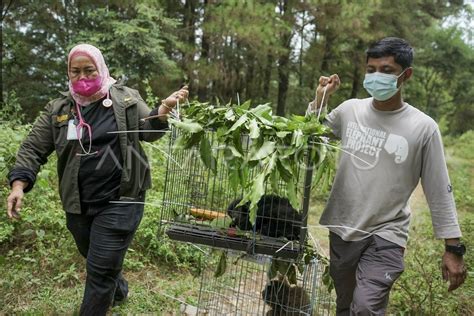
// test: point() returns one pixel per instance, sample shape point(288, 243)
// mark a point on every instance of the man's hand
point(454, 270)
point(15, 199)
point(170, 102)
point(332, 83)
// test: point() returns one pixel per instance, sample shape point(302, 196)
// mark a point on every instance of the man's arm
point(438, 191)
point(453, 267)
point(319, 104)
point(331, 84)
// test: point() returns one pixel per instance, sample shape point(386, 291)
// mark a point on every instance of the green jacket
point(49, 134)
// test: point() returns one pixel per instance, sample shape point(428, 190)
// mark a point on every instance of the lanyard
point(82, 124)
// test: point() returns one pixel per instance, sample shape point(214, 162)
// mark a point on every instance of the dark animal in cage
point(275, 217)
point(286, 299)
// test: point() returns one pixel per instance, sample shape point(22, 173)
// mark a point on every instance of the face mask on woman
point(381, 86)
point(87, 87)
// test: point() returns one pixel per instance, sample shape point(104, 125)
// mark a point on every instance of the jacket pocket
point(60, 126)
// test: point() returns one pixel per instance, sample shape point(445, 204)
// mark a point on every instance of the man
point(388, 147)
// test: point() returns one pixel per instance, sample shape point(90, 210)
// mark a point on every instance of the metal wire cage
point(193, 195)
point(246, 289)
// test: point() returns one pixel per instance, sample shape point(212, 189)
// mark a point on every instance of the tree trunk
point(189, 24)
point(300, 59)
point(284, 59)
point(359, 62)
point(202, 89)
point(267, 75)
point(250, 78)
point(241, 82)
point(330, 40)
point(283, 81)
point(355, 81)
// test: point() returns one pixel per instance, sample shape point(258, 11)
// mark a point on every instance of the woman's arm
point(157, 119)
point(15, 199)
point(33, 153)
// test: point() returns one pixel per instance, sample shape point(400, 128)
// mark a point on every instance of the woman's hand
point(15, 199)
point(168, 104)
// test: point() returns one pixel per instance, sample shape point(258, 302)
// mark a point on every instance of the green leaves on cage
point(222, 265)
point(297, 138)
point(327, 280)
point(234, 152)
point(311, 254)
point(207, 157)
point(186, 141)
point(234, 179)
point(282, 268)
point(285, 170)
point(319, 173)
point(254, 129)
point(258, 190)
point(237, 124)
point(291, 190)
point(263, 151)
point(324, 175)
point(263, 113)
point(258, 148)
point(186, 125)
point(291, 274)
point(258, 186)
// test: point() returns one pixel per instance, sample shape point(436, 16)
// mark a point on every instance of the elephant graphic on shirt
point(397, 145)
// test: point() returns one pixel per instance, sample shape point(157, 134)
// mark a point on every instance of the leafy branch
point(259, 148)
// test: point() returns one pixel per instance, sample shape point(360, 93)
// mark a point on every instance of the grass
point(31, 287)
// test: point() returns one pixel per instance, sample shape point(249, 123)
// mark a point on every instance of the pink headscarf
point(95, 54)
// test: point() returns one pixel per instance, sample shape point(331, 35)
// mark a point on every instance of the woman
point(98, 171)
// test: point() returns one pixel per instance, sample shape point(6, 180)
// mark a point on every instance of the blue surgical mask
point(381, 86)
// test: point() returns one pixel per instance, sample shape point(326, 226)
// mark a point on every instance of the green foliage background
point(259, 50)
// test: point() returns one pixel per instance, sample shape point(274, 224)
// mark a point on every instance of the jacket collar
point(65, 93)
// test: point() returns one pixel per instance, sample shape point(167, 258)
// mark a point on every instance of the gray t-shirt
point(385, 153)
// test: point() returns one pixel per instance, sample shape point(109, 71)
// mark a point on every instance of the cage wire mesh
point(194, 195)
point(247, 289)
point(195, 199)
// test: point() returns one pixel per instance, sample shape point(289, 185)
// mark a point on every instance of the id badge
point(72, 131)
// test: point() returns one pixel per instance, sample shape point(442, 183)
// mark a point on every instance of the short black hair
point(400, 49)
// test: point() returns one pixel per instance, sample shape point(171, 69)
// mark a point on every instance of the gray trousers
point(364, 272)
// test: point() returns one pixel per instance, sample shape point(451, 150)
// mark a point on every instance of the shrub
point(460, 158)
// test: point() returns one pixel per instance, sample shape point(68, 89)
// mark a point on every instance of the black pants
point(102, 234)
point(364, 272)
